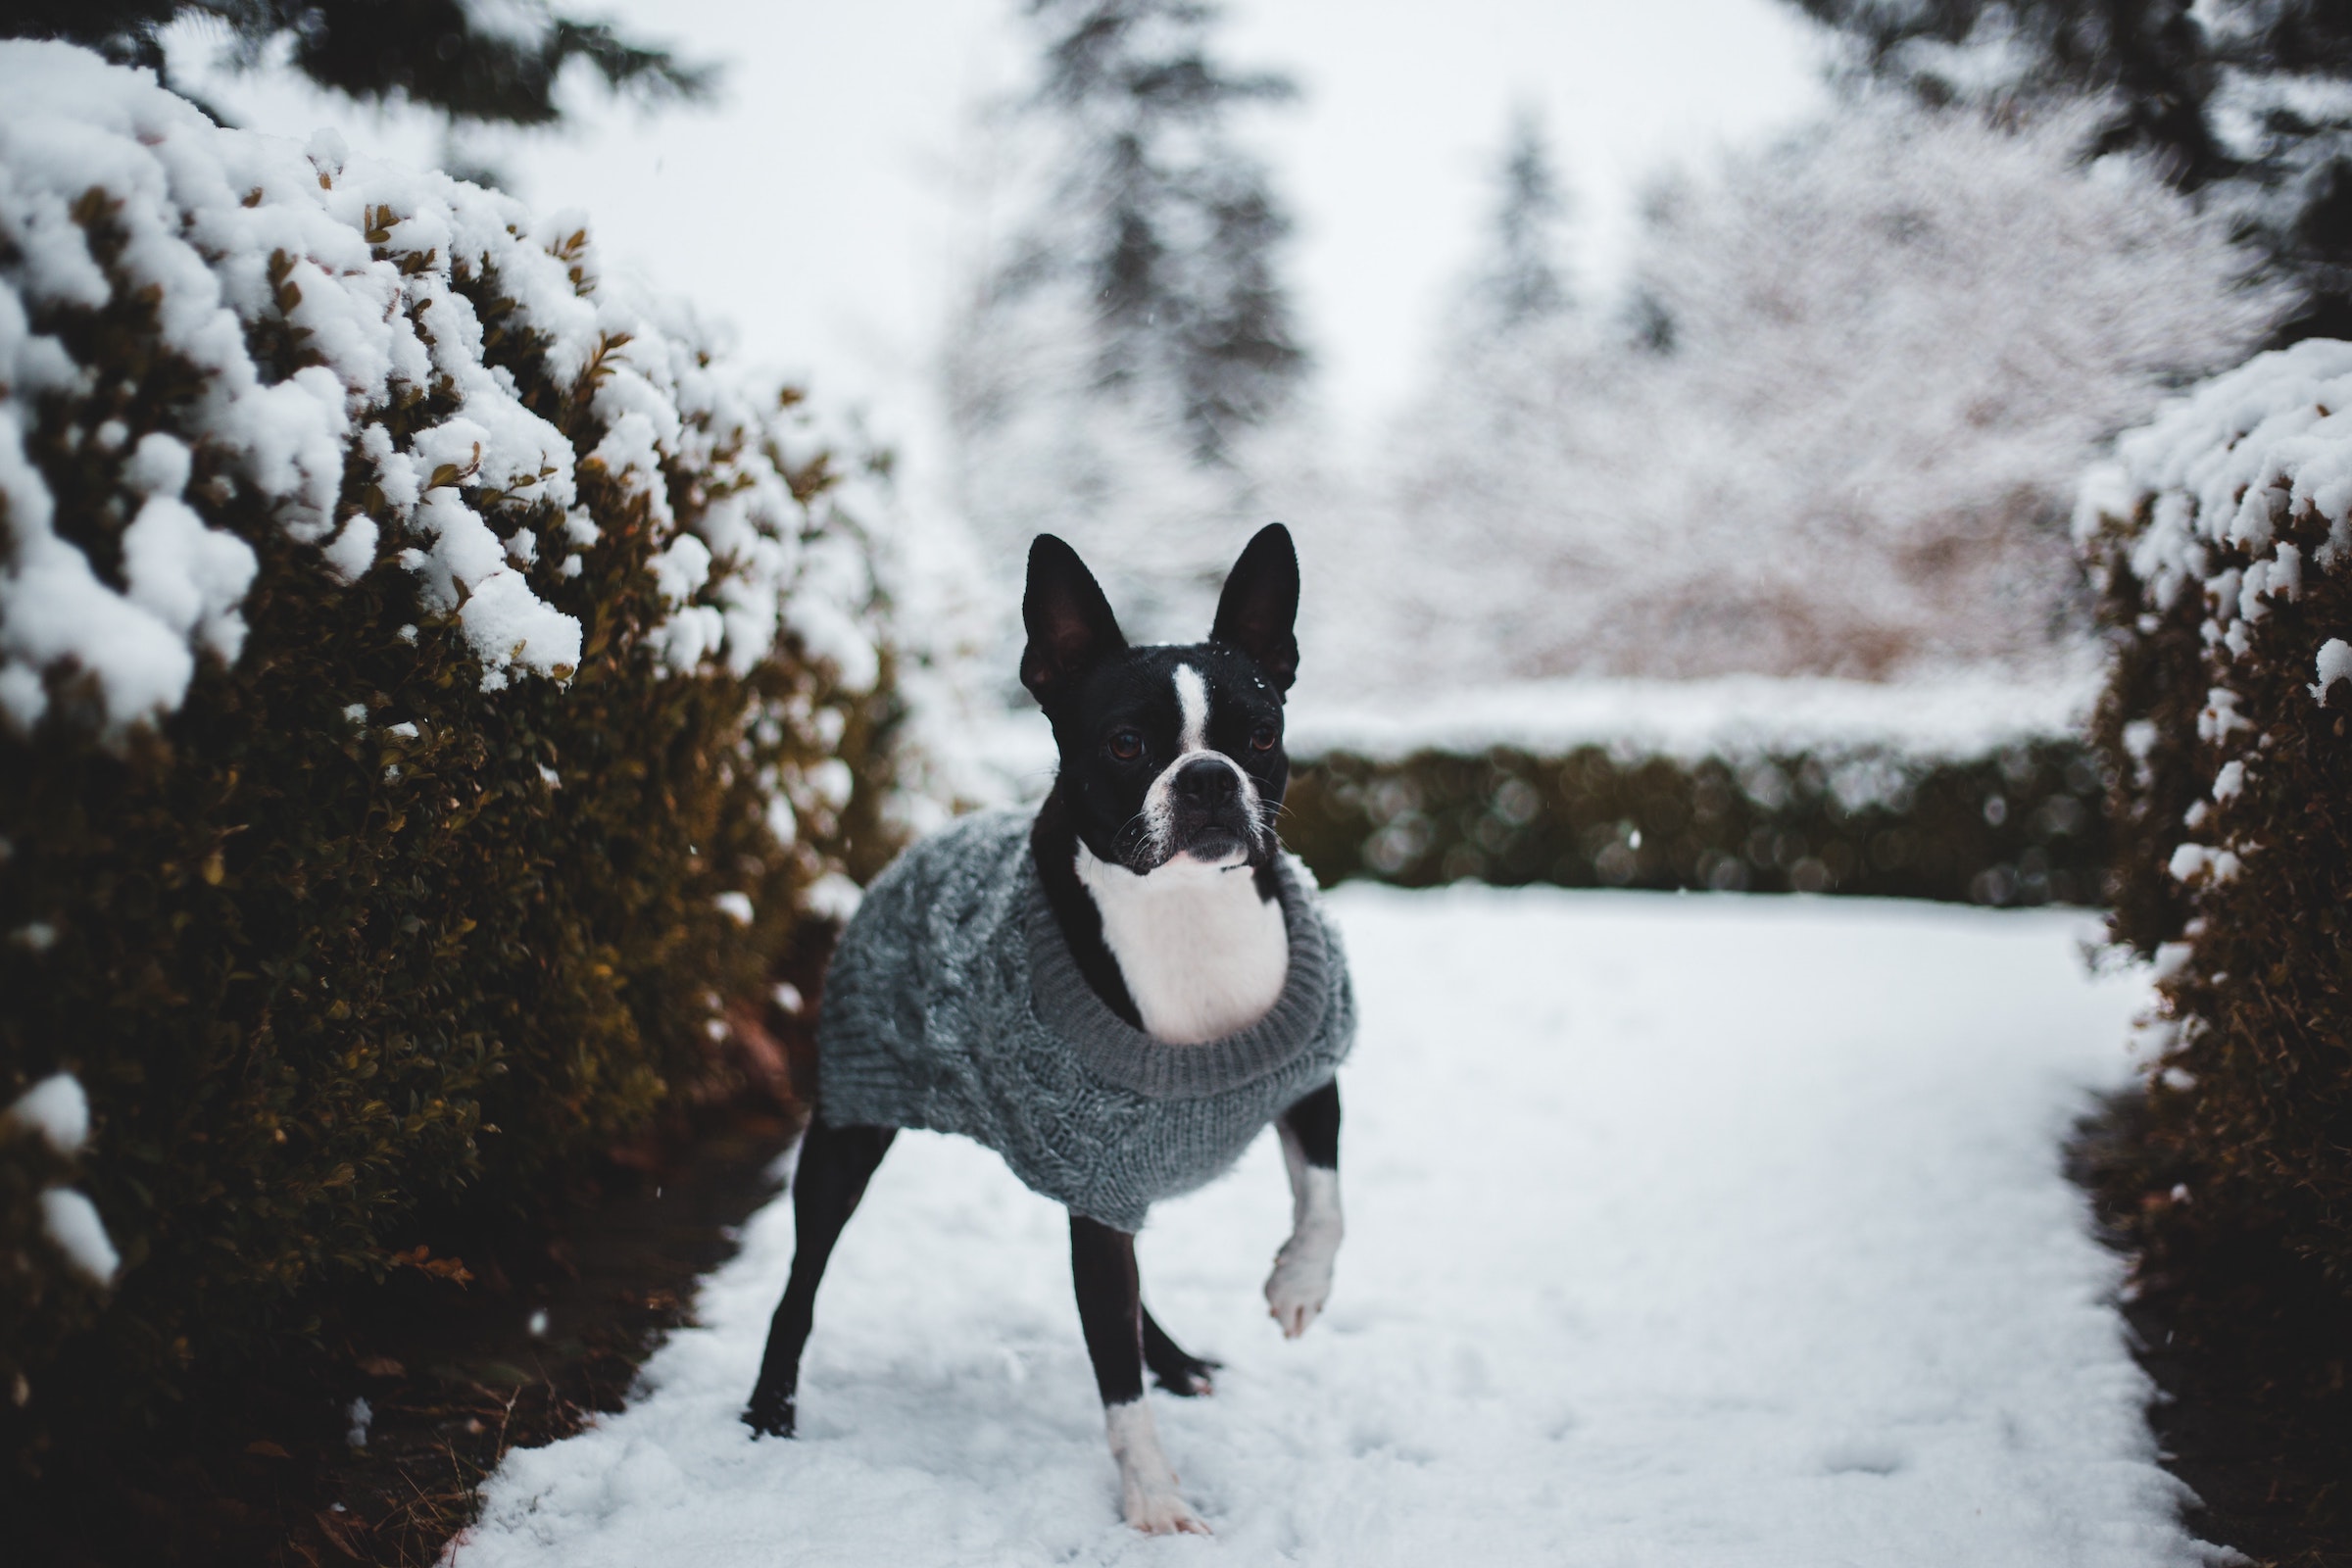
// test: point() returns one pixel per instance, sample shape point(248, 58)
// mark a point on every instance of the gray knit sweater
point(953, 1003)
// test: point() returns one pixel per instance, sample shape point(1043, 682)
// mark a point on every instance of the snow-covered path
point(1682, 1231)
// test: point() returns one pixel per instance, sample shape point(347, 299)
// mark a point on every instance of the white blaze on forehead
point(1191, 745)
point(1192, 702)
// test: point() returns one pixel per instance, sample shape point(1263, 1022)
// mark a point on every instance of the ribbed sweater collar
point(1118, 1052)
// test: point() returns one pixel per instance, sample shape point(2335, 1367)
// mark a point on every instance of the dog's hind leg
point(1110, 1309)
point(1174, 1368)
point(835, 1164)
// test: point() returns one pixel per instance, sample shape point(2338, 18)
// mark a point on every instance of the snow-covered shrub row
point(2018, 825)
point(435, 697)
point(2222, 541)
point(1976, 788)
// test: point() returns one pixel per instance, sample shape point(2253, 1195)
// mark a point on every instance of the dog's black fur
point(1119, 726)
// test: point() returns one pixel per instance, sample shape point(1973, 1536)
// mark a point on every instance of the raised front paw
point(1300, 1282)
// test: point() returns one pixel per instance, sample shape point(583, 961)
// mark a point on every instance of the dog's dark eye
point(1126, 745)
point(1262, 738)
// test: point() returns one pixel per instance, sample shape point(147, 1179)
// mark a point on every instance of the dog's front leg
point(1110, 1309)
point(1310, 1147)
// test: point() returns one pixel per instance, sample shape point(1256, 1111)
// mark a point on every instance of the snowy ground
point(1682, 1231)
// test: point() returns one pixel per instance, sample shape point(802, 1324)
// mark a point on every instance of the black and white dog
point(1156, 854)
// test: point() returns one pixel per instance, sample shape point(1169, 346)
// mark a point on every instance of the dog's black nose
point(1206, 781)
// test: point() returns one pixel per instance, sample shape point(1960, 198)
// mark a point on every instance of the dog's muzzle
point(1212, 809)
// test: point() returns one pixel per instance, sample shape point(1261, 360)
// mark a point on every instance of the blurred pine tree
point(1522, 278)
point(1126, 370)
point(1175, 228)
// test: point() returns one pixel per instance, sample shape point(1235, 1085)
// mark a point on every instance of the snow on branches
point(2217, 509)
point(322, 320)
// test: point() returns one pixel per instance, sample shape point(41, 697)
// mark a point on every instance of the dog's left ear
point(1260, 604)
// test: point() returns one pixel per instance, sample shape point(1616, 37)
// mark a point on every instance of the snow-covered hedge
point(2222, 541)
point(1977, 789)
point(433, 696)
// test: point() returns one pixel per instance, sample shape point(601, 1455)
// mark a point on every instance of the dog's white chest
point(1202, 953)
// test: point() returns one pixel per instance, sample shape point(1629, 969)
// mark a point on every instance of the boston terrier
point(1139, 958)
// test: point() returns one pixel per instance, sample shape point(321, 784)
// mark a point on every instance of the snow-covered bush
point(433, 696)
point(1838, 434)
point(2222, 541)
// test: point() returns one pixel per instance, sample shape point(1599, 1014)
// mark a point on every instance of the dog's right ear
point(1069, 621)
point(1260, 607)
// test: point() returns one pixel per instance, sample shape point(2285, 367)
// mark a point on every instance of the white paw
point(1148, 1493)
point(1160, 1512)
point(1301, 1281)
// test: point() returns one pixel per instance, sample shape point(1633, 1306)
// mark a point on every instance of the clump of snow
point(233, 233)
point(57, 1109)
point(2335, 663)
point(2198, 862)
point(736, 907)
point(73, 1224)
point(510, 625)
point(833, 897)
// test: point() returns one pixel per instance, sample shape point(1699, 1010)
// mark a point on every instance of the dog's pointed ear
point(1069, 622)
point(1259, 606)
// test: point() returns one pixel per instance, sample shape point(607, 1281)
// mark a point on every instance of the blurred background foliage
point(2243, 101)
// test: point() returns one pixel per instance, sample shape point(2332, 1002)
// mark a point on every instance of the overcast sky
point(817, 206)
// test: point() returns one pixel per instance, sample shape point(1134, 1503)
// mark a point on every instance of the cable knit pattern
point(953, 1004)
